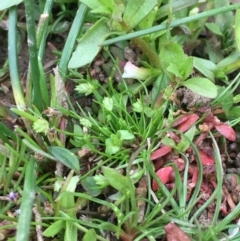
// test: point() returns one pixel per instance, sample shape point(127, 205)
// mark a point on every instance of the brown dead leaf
point(174, 233)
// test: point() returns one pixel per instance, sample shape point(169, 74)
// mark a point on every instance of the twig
point(38, 219)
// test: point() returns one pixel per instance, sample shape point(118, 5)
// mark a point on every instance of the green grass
point(91, 172)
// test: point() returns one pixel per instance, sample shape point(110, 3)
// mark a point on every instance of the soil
point(189, 99)
point(50, 58)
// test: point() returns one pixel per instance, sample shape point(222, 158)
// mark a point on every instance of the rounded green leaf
point(115, 179)
point(202, 86)
point(65, 157)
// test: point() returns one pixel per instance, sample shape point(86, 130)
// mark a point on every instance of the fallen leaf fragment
point(206, 159)
point(186, 125)
point(164, 176)
point(162, 151)
point(180, 120)
point(174, 233)
point(195, 177)
point(227, 131)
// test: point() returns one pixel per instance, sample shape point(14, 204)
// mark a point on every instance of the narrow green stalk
point(151, 55)
point(37, 149)
point(219, 171)
point(24, 114)
point(173, 24)
point(23, 228)
point(43, 85)
point(42, 32)
point(13, 59)
point(33, 55)
point(42, 27)
point(71, 39)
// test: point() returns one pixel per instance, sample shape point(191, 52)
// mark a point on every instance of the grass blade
point(33, 54)
point(69, 45)
point(23, 228)
point(13, 59)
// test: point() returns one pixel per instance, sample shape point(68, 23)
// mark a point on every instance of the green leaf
point(65, 157)
point(174, 68)
point(234, 112)
point(90, 186)
point(27, 201)
point(236, 99)
point(174, 62)
point(228, 64)
point(116, 18)
point(4, 4)
point(237, 29)
point(71, 232)
point(202, 86)
point(186, 138)
point(89, 45)
point(109, 226)
point(90, 235)
point(136, 11)
point(54, 228)
point(115, 179)
point(149, 112)
point(71, 187)
point(94, 4)
point(104, 11)
point(171, 53)
point(225, 98)
point(67, 202)
point(213, 27)
point(125, 135)
point(205, 67)
point(159, 85)
point(108, 103)
point(148, 21)
point(138, 106)
point(168, 142)
point(113, 145)
point(186, 67)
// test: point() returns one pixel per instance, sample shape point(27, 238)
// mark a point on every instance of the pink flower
point(134, 72)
